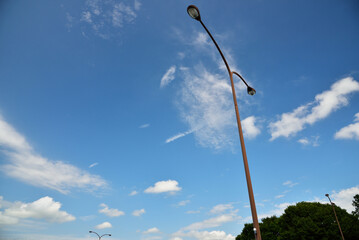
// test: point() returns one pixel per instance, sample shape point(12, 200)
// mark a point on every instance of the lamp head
point(90, 231)
point(327, 195)
point(193, 12)
point(251, 91)
point(110, 235)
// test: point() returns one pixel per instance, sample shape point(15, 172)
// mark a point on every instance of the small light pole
point(327, 195)
point(193, 12)
point(99, 237)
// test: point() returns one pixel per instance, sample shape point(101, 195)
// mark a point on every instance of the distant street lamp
point(327, 195)
point(193, 12)
point(99, 237)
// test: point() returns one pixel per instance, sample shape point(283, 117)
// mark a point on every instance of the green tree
point(356, 205)
point(306, 220)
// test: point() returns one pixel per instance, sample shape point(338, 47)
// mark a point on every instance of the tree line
point(308, 220)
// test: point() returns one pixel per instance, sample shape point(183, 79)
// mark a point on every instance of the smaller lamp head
point(110, 235)
point(251, 91)
point(193, 12)
point(90, 231)
point(327, 195)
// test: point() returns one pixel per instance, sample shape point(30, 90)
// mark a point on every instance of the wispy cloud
point(205, 105)
point(133, 193)
point(168, 77)
point(29, 167)
point(250, 130)
point(170, 186)
point(183, 203)
point(111, 212)
point(349, 132)
point(324, 104)
point(44, 208)
point(289, 183)
point(220, 208)
point(138, 212)
point(146, 125)
point(104, 17)
point(177, 136)
point(92, 165)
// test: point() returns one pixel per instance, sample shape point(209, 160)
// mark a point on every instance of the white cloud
point(111, 212)
point(146, 125)
point(92, 165)
point(344, 198)
point(137, 5)
point(249, 128)
point(31, 168)
point(289, 183)
point(349, 132)
point(206, 105)
point(324, 104)
point(303, 141)
point(139, 212)
point(204, 235)
point(152, 231)
point(133, 193)
point(193, 212)
point(183, 203)
point(220, 208)
point(177, 136)
point(104, 225)
point(105, 22)
point(279, 196)
point(164, 186)
point(44, 208)
point(168, 77)
point(211, 222)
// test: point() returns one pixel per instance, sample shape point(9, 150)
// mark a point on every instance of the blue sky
point(117, 116)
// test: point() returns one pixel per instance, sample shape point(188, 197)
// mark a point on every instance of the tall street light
point(194, 13)
point(99, 237)
point(327, 195)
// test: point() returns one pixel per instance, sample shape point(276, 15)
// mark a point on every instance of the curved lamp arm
point(95, 233)
point(106, 235)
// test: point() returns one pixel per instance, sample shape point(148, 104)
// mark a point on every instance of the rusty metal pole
point(194, 13)
point(340, 229)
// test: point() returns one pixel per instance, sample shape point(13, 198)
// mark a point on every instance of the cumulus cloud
point(31, 168)
point(344, 198)
point(250, 130)
point(168, 77)
point(324, 104)
point(138, 212)
point(170, 186)
point(349, 132)
point(104, 225)
point(111, 212)
point(44, 208)
point(152, 231)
